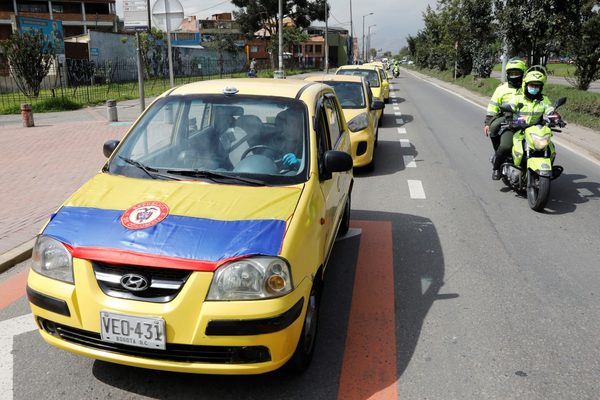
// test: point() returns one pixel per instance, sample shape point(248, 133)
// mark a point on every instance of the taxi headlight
point(251, 278)
point(358, 123)
point(540, 142)
point(51, 258)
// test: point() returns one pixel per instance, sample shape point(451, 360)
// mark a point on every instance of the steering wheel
point(261, 147)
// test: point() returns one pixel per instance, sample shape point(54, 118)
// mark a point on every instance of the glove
point(290, 160)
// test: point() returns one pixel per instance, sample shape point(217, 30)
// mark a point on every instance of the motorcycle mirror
point(560, 102)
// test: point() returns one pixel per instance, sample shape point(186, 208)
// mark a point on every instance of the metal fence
point(88, 82)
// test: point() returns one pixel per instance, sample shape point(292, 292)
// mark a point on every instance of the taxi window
point(350, 94)
point(370, 75)
point(159, 131)
point(333, 120)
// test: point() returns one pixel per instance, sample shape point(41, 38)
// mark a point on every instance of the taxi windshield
point(370, 75)
point(230, 139)
point(350, 94)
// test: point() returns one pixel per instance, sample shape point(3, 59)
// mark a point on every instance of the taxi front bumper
point(213, 337)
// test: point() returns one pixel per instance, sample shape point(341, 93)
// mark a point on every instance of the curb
point(16, 255)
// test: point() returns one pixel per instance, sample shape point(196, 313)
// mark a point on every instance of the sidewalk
point(42, 166)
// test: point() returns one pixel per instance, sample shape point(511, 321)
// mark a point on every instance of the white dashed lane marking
point(398, 113)
point(416, 189)
point(409, 162)
point(402, 131)
point(405, 143)
point(399, 121)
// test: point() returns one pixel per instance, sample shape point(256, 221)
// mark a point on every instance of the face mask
point(533, 90)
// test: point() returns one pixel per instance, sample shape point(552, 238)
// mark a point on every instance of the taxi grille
point(173, 352)
point(165, 283)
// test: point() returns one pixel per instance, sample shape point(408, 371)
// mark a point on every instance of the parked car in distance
point(202, 244)
point(373, 78)
point(361, 112)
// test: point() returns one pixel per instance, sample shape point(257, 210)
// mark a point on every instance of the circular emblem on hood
point(144, 215)
point(134, 282)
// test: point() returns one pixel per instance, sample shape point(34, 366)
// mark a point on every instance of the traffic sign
point(135, 14)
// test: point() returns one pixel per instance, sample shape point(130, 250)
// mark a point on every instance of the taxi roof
point(336, 78)
point(362, 66)
point(248, 86)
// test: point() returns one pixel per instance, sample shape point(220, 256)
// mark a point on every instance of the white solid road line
point(8, 330)
point(402, 131)
point(416, 189)
point(409, 162)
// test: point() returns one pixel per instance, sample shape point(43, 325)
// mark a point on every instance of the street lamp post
point(369, 39)
point(363, 35)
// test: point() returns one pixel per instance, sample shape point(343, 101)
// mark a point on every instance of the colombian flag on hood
point(173, 224)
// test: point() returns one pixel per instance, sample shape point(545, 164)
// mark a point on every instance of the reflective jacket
point(531, 110)
point(502, 95)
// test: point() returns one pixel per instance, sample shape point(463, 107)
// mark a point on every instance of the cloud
point(394, 19)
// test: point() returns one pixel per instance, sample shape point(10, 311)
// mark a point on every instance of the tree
point(582, 42)
point(30, 57)
point(254, 15)
point(534, 28)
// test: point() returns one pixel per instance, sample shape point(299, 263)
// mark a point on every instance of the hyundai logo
point(134, 282)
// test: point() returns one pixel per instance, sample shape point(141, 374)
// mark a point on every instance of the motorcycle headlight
point(51, 258)
point(358, 123)
point(250, 279)
point(540, 142)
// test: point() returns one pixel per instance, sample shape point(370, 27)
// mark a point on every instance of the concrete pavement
point(44, 165)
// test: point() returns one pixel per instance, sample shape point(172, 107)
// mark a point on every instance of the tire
point(306, 344)
point(345, 224)
point(538, 191)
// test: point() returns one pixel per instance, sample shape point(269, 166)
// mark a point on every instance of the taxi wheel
point(345, 224)
point(306, 345)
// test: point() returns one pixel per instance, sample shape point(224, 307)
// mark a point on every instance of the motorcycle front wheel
point(538, 191)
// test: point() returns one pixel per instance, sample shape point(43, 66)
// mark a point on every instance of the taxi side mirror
point(337, 161)
point(109, 147)
point(377, 105)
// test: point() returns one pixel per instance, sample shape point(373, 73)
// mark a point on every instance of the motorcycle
point(396, 71)
point(530, 167)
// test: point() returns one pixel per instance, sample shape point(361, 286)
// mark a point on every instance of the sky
point(393, 20)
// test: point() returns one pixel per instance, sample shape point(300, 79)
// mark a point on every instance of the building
point(312, 53)
point(77, 16)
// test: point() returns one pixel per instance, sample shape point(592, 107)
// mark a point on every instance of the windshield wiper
point(214, 176)
point(150, 171)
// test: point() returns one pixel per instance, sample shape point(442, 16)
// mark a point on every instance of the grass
point(560, 70)
point(582, 107)
point(74, 98)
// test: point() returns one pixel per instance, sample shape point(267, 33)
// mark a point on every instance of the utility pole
point(326, 40)
point(363, 36)
point(279, 73)
point(352, 55)
point(369, 40)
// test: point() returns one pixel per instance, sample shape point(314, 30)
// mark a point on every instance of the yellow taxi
point(201, 245)
point(373, 78)
point(384, 77)
point(360, 110)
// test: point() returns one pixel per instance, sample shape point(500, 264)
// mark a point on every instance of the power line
point(211, 7)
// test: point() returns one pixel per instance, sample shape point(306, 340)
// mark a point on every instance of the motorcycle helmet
point(515, 69)
point(533, 84)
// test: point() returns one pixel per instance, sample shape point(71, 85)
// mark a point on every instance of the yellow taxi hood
point(183, 224)
point(350, 113)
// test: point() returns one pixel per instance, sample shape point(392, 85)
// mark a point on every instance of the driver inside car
point(289, 139)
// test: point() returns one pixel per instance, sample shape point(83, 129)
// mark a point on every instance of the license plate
point(148, 332)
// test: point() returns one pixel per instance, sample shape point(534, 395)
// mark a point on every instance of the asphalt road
point(492, 300)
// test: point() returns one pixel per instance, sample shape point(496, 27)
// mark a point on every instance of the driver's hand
point(290, 160)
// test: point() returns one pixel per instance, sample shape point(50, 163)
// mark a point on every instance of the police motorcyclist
point(515, 69)
point(396, 69)
point(528, 104)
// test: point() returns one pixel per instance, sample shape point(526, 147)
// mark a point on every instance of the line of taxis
point(201, 245)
